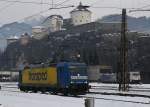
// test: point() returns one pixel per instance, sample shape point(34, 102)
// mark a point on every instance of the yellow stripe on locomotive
point(45, 76)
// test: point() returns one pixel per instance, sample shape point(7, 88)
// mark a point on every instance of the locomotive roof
point(71, 64)
point(42, 65)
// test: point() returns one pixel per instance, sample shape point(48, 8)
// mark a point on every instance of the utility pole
point(123, 60)
point(136, 10)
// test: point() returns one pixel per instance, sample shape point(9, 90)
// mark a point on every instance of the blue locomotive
point(64, 77)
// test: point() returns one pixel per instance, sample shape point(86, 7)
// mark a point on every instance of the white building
point(81, 15)
point(12, 39)
point(54, 23)
point(39, 32)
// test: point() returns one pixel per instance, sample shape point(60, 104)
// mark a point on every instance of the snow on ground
point(140, 89)
point(12, 99)
point(116, 91)
point(121, 98)
point(20, 99)
point(116, 85)
point(106, 103)
point(102, 84)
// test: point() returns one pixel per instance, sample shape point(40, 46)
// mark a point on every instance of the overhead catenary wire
point(96, 2)
point(107, 7)
point(37, 3)
point(59, 4)
point(112, 7)
point(17, 1)
point(56, 7)
point(61, 7)
point(139, 10)
point(28, 17)
point(118, 8)
point(144, 6)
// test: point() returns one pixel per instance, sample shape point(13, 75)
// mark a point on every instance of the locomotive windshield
point(78, 69)
point(78, 73)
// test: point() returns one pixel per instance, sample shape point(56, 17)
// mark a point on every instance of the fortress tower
point(81, 15)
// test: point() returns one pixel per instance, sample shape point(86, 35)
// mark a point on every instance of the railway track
point(89, 95)
point(13, 88)
point(110, 99)
point(93, 95)
point(121, 94)
point(116, 88)
point(103, 88)
point(130, 86)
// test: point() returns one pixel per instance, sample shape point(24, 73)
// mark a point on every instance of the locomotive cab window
point(76, 69)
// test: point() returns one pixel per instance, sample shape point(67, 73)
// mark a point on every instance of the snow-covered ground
point(14, 99)
point(116, 85)
point(140, 89)
point(20, 99)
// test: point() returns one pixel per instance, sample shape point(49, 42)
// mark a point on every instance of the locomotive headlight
point(85, 82)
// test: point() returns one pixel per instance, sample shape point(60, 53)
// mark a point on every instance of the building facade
point(38, 32)
point(81, 15)
point(54, 23)
point(12, 40)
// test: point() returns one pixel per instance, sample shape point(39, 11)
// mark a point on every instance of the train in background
point(110, 77)
point(106, 75)
point(64, 77)
point(9, 76)
point(135, 77)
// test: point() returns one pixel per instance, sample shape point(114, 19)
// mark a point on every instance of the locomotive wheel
point(65, 92)
point(35, 91)
point(54, 93)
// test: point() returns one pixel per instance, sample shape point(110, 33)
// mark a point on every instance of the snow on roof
point(38, 27)
point(13, 37)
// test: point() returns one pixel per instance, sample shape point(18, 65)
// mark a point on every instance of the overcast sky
point(10, 11)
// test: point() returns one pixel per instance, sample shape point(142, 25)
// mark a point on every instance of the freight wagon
point(135, 77)
point(64, 77)
point(108, 77)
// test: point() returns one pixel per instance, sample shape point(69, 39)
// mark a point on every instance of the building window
point(75, 21)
